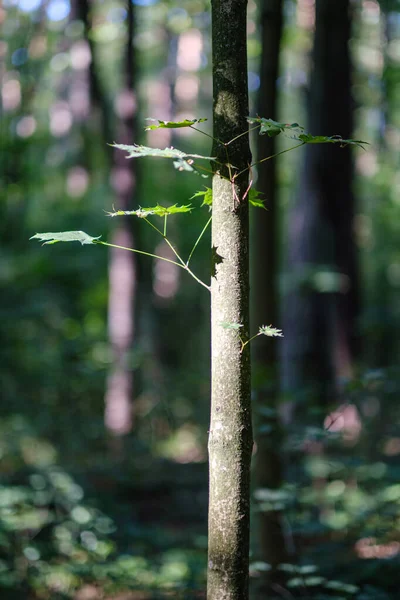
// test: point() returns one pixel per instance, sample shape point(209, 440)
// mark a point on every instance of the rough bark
point(230, 438)
point(320, 324)
point(264, 290)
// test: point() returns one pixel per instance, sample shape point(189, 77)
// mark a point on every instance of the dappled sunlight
point(190, 46)
point(306, 14)
point(346, 421)
point(187, 88)
point(121, 179)
point(368, 548)
point(77, 181)
point(80, 55)
point(26, 126)
point(118, 403)
point(10, 92)
point(166, 275)
point(79, 100)
point(125, 104)
point(60, 119)
point(392, 446)
point(37, 47)
point(367, 163)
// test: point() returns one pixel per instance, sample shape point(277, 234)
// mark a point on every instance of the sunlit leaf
point(270, 331)
point(206, 195)
point(65, 236)
point(234, 326)
point(273, 128)
point(173, 124)
point(255, 200)
point(181, 160)
point(159, 211)
point(307, 138)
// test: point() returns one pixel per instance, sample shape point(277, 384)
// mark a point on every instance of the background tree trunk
point(122, 265)
point(322, 301)
point(230, 438)
point(264, 293)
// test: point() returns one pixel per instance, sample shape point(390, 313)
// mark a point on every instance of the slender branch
point(163, 235)
point(240, 134)
point(204, 133)
point(198, 240)
point(272, 156)
point(173, 262)
point(153, 226)
point(244, 344)
point(200, 168)
point(195, 277)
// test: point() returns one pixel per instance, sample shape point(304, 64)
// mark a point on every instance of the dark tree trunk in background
point(321, 308)
point(98, 105)
point(230, 437)
point(264, 290)
point(122, 264)
point(118, 124)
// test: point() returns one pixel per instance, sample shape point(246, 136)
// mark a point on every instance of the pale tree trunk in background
point(320, 311)
point(264, 292)
point(122, 272)
point(230, 438)
point(122, 264)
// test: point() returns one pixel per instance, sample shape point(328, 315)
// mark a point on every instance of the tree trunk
point(264, 264)
point(322, 303)
point(230, 438)
point(122, 264)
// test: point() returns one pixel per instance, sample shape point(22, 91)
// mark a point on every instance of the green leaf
point(234, 326)
point(173, 124)
point(255, 200)
point(307, 138)
point(181, 160)
point(65, 236)
point(270, 331)
point(273, 128)
point(206, 195)
point(159, 211)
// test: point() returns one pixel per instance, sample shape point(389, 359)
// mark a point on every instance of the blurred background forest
point(104, 364)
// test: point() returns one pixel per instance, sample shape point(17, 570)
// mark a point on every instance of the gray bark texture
point(264, 305)
point(320, 322)
point(230, 438)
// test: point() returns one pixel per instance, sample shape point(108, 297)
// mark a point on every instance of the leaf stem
point(272, 156)
point(244, 344)
point(140, 252)
point(204, 133)
point(198, 240)
point(241, 134)
point(173, 262)
point(182, 262)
